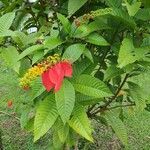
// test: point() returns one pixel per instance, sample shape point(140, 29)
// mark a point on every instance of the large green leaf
point(73, 52)
point(37, 88)
point(65, 99)
point(57, 144)
point(30, 50)
point(86, 100)
point(80, 67)
point(138, 95)
point(128, 54)
point(118, 126)
point(143, 81)
point(37, 56)
point(6, 21)
point(118, 14)
point(51, 43)
point(62, 130)
point(88, 54)
point(133, 9)
point(80, 123)
point(46, 116)
point(10, 55)
point(143, 14)
point(123, 16)
point(85, 29)
point(7, 33)
point(146, 3)
point(74, 5)
point(91, 86)
point(111, 72)
point(125, 54)
point(96, 39)
point(23, 39)
point(65, 22)
point(20, 38)
point(114, 3)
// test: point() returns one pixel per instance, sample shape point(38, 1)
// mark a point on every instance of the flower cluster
point(37, 70)
point(53, 77)
point(52, 70)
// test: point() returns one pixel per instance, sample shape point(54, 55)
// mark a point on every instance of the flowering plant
point(78, 60)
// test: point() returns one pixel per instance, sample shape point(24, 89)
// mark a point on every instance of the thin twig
point(104, 107)
point(119, 89)
point(127, 105)
point(10, 115)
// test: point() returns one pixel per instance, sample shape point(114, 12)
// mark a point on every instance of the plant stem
point(104, 107)
point(119, 89)
point(132, 104)
point(43, 8)
point(10, 115)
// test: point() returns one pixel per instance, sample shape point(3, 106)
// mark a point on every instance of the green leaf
point(80, 123)
point(7, 33)
point(29, 125)
point(73, 52)
point(99, 23)
point(65, 22)
point(37, 88)
point(74, 5)
point(85, 29)
point(80, 66)
point(51, 43)
point(114, 3)
point(6, 21)
point(97, 39)
point(133, 8)
point(80, 32)
point(146, 3)
point(91, 86)
point(128, 54)
point(10, 55)
point(25, 64)
point(112, 72)
point(57, 144)
point(143, 14)
point(88, 54)
point(62, 130)
point(46, 116)
point(125, 54)
point(138, 95)
point(30, 50)
point(65, 99)
point(24, 117)
point(119, 15)
point(143, 80)
point(86, 100)
point(20, 38)
point(37, 56)
point(118, 126)
point(123, 16)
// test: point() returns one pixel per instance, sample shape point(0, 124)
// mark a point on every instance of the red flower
point(53, 77)
point(9, 104)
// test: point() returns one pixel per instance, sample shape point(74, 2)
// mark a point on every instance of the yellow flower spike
point(38, 69)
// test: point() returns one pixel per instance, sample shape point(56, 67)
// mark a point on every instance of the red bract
point(53, 77)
